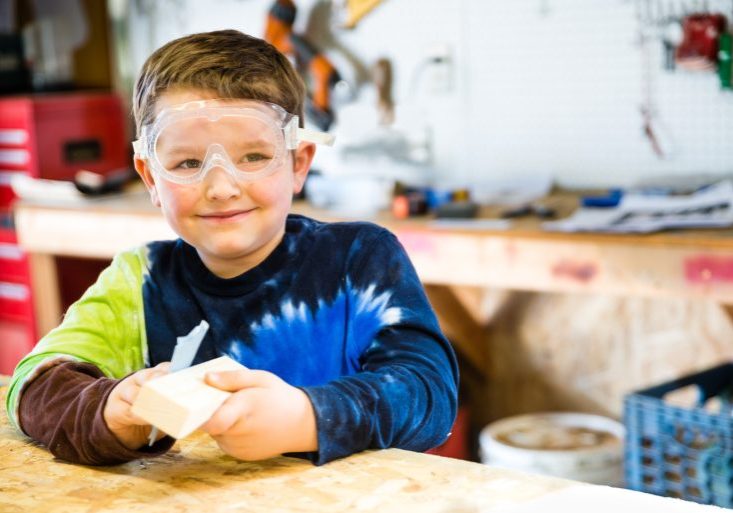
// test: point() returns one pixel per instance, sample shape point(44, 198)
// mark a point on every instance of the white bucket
point(574, 446)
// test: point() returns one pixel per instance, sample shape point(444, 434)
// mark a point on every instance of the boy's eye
point(188, 164)
point(254, 157)
point(254, 161)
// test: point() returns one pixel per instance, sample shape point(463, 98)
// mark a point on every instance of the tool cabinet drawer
point(13, 263)
point(15, 302)
point(16, 341)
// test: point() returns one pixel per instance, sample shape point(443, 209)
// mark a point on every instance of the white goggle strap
point(294, 134)
point(137, 145)
point(314, 136)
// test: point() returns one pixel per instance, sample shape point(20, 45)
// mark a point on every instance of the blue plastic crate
point(682, 452)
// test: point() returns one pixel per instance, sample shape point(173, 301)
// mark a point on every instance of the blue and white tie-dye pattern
point(336, 333)
point(337, 310)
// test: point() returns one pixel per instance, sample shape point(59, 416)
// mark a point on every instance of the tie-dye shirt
point(336, 309)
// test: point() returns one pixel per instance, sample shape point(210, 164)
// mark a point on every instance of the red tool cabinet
point(47, 136)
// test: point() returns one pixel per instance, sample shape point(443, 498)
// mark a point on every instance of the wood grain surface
point(196, 477)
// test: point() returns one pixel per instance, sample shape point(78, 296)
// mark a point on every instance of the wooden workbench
point(462, 268)
point(524, 257)
point(195, 476)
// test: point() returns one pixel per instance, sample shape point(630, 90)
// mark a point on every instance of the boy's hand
point(264, 417)
point(129, 429)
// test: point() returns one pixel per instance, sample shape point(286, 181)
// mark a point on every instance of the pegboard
point(686, 105)
point(538, 86)
point(660, 12)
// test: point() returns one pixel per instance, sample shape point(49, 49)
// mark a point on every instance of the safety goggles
point(249, 139)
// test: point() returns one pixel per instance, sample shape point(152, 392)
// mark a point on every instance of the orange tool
point(318, 72)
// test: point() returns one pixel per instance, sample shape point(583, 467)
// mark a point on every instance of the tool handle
point(382, 75)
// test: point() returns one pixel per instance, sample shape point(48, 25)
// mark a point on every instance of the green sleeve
point(105, 327)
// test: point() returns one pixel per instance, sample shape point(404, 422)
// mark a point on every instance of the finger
point(142, 376)
point(233, 412)
point(232, 381)
point(129, 388)
point(128, 394)
point(244, 449)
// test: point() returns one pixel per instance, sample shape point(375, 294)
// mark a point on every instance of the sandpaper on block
point(180, 402)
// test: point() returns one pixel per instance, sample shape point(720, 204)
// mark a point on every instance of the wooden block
point(180, 402)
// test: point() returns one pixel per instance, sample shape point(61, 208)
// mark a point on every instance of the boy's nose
point(220, 184)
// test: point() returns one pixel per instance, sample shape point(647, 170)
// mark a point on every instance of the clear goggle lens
point(248, 139)
point(245, 145)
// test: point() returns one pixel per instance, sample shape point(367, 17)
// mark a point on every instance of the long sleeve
point(63, 409)
point(405, 393)
point(105, 328)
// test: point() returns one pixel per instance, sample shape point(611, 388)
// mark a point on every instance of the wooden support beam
point(45, 289)
point(728, 309)
point(459, 325)
point(482, 303)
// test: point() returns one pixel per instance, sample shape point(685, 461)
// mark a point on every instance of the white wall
point(539, 85)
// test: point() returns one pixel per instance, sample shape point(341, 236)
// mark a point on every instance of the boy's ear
point(142, 169)
point(303, 158)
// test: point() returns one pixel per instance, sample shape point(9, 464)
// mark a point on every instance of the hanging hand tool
point(320, 75)
point(355, 10)
point(382, 75)
point(652, 127)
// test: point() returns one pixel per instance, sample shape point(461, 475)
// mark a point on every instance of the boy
point(346, 352)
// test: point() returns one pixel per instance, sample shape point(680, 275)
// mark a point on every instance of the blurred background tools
point(443, 203)
point(318, 72)
point(354, 10)
point(382, 75)
point(529, 209)
point(698, 50)
point(610, 199)
point(97, 184)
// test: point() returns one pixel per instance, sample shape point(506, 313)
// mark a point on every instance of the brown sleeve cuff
point(63, 409)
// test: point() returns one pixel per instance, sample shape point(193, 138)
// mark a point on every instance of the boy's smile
point(233, 224)
point(227, 216)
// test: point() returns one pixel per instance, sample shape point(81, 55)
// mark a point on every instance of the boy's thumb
point(232, 381)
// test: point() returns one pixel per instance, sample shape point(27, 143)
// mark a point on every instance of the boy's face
point(233, 224)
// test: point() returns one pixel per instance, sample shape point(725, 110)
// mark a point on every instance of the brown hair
point(228, 62)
